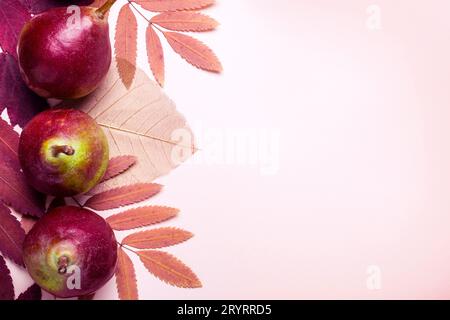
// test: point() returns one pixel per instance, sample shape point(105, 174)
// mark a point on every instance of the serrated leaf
point(185, 21)
point(14, 190)
point(169, 269)
point(126, 45)
point(141, 121)
point(13, 15)
point(11, 236)
point(141, 217)
point(194, 51)
point(155, 55)
point(157, 238)
point(9, 144)
point(126, 277)
point(118, 165)
point(173, 5)
point(34, 292)
point(123, 196)
point(6, 283)
point(21, 103)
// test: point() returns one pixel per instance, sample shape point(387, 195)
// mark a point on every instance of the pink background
point(364, 154)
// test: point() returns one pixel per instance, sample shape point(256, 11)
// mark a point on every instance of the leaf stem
point(143, 16)
point(126, 247)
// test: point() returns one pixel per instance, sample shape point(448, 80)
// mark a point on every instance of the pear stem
point(63, 262)
point(67, 150)
point(103, 10)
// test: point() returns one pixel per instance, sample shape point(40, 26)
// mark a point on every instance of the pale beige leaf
point(141, 121)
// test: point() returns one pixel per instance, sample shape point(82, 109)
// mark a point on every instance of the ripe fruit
point(63, 152)
point(70, 252)
point(65, 53)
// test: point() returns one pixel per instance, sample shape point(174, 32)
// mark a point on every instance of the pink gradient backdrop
point(364, 175)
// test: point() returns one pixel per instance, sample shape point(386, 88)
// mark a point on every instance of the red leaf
point(118, 165)
point(157, 238)
point(123, 196)
point(13, 15)
point(194, 51)
point(32, 293)
point(126, 277)
point(174, 5)
point(11, 236)
point(185, 21)
point(6, 284)
point(169, 269)
point(126, 45)
point(22, 104)
point(9, 144)
point(155, 55)
point(141, 217)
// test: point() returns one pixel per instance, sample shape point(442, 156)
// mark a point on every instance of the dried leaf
point(157, 238)
point(118, 165)
point(6, 284)
point(155, 55)
point(194, 51)
point(27, 223)
point(126, 45)
point(123, 196)
point(141, 217)
point(11, 236)
point(9, 145)
point(14, 190)
point(126, 277)
point(173, 5)
point(169, 269)
point(185, 21)
point(22, 104)
point(13, 15)
point(34, 292)
point(141, 121)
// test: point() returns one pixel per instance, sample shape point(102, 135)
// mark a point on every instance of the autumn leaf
point(14, 190)
point(11, 236)
point(157, 238)
point(141, 121)
point(34, 292)
point(155, 55)
point(13, 15)
point(123, 196)
point(118, 165)
point(141, 217)
point(6, 284)
point(126, 277)
point(169, 269)
point(126, 45)
point(185, 21)
point(194, 51)
point(21, 103)
point(173, 5)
